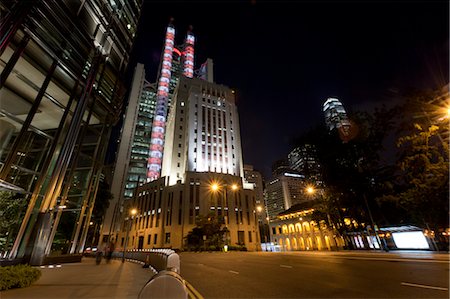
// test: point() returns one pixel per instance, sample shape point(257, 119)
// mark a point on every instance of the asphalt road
point(317, 274)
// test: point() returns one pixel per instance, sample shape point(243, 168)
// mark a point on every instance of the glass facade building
point(62, 65)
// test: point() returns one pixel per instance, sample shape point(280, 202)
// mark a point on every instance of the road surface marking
point(193, 293)
point(423, 286)
point(285, 266)
point(200, 264)
point(393, 259)
point(234, 272)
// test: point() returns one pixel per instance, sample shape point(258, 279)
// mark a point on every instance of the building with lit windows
point(295, 229)
point(203, 133)
point(167, 213)
point(335, 114)
point(194, 143)
point(284, 191)
point(61, 91)
point(133, 155)
point(303, 159)
point(134, 146)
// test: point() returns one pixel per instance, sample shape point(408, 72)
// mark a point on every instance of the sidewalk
point(86, 280)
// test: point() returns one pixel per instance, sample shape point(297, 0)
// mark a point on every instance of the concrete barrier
point(165, 263)
point(165, 284)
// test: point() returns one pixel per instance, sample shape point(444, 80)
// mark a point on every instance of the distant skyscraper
point(303, 159)
point(286, 190)
point(335, 115)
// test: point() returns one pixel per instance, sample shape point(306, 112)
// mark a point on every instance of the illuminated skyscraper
point(168, 77)
point(134, 146)
point(195, 141)
point(203, 132)
point(335, 115)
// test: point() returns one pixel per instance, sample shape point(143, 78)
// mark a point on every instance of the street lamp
point(310, 190)
point(132, 213)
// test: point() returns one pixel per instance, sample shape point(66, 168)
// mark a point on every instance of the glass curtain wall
point(62, 65)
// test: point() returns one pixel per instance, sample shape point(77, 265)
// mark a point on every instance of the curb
point(192, 292)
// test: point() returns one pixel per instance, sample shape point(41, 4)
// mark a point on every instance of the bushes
point(18, 276)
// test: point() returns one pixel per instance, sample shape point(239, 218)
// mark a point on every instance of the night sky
point(285, 58)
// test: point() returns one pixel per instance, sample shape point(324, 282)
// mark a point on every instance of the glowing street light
point(234, 187)
point(259, 209)
point(310, 190)
point(214, 187)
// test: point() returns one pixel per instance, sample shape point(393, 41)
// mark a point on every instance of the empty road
point(317, 274)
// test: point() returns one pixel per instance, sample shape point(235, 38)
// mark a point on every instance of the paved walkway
point(86, 280)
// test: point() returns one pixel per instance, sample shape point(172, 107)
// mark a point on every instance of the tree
point(208, 233)
point(421, 186)
point(12, 208)
point(353, 171)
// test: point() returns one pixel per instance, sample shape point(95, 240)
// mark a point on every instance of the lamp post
point(215, 188)
point(132, 213)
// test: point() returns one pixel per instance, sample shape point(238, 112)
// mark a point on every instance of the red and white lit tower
point(188, 54)
point(162, 98)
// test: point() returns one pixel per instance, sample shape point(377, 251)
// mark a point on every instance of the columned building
point(61, 64)
point(295, 229)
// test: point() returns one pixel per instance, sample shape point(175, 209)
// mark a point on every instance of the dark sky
point(285, 58)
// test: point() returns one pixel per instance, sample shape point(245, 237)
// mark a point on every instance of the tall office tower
point(286, 190)
point(202, 174)
point(203, 132)
point(133, 151)
point(336, 117)
point(61, 90)
point(169, 74)
point(133, 157)
point(303, 159)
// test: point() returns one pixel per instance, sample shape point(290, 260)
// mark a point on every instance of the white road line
point(234, 272)
point(200, 264)
point(393, 259)
point(285, 266)
point(423, 286)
